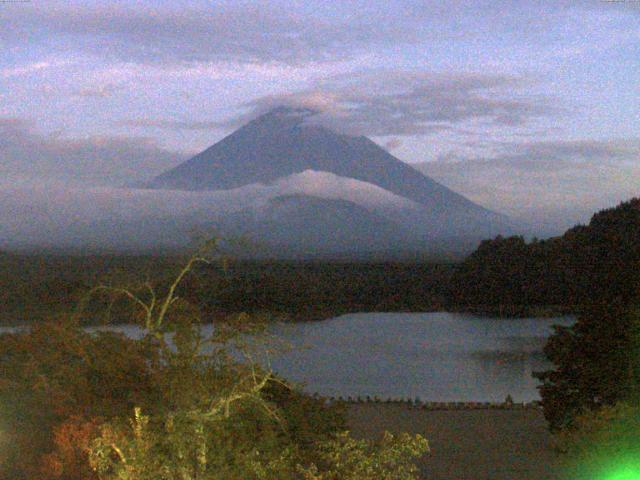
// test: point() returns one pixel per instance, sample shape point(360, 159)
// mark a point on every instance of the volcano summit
point(406, 210)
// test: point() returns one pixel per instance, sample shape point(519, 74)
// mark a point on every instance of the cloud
point(100, 91)
point(26, 69)
point(55, 214)
point(96, 160)
point(384, 103)
point(245, 32)
point(392, 143)
point(613, 150)
point(174, 124)
point(554, 184)
point(282, 31)
point(396, 103)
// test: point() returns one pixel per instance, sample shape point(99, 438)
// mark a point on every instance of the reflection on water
point(434, 356)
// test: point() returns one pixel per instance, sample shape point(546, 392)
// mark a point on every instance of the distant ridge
point(299, 224)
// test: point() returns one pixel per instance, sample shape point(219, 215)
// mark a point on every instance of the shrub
point(602, 443)
point(172, 405)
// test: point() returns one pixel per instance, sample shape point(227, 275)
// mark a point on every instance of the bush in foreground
point(174, 404)
point(603, 443)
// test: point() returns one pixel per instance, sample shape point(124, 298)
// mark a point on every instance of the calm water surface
point(436, 356)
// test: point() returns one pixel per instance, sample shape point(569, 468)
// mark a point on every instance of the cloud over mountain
point(385, 103)
point(57, 214)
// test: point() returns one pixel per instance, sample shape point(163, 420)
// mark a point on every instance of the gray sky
point(531, 108)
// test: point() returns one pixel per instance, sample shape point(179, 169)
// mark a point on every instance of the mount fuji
point(322, 192)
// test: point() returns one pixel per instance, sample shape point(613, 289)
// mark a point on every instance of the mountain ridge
point(261, 148)
point(284, 143)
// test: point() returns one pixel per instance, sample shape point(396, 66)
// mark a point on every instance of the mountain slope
point(286, 142)
point(306, 225)
point(283, 142)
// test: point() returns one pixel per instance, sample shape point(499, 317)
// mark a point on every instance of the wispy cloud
point(96, 160)
point(31, 68)
point(555, 183)
point(98, 91)
point(242, 32)
point(392, 143)
point(387, 103)
point(174, 124)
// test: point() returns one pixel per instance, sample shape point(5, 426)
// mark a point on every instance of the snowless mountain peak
point(286, 143)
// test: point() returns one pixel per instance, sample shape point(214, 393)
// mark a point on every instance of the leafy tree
point(596, 363)
point(220, 418)
point(55, 381)
point(344, 458)
point(172, 404)
point(596, 359)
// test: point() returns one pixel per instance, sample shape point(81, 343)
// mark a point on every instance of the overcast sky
point(526, 107)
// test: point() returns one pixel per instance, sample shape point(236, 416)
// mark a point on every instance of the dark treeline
point(38, 287)
point(312, 290)
point(504, 276)
point(35, 287)
point(599, 260)
point(597, 360)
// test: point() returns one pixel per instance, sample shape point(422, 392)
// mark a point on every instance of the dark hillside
point(597, 261)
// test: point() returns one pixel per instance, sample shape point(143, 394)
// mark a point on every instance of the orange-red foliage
point(71, 440)
point(56, 381)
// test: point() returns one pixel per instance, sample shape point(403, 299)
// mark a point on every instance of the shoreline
point(418, 404)
point(319, 316)
point(513, 312)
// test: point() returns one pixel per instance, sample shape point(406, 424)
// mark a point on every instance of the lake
point(435, 356)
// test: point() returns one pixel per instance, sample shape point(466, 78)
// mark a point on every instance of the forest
point(593, 261)
point(503, 276)
point(35, 286)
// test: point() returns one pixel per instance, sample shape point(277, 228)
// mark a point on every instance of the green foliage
point(56, 371)
point(202, 406)
point(185, 445)
point(509, 276)
point(587, 264)
point(597, 359)
point(180, 449)
point(317, 290)
point(306, 418)
point(344, 458)
point(603, 443)
point(36, 287)
point(596, 363)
